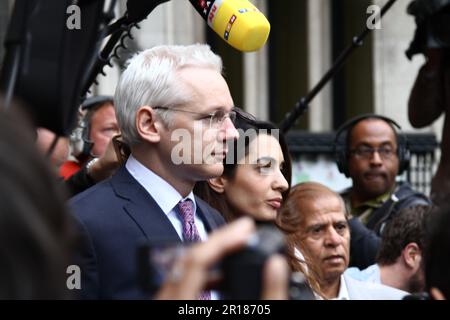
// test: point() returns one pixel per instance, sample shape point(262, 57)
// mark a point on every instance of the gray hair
point(151, 79)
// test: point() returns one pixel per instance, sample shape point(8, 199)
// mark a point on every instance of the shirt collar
point(161, 191)
point(342, 294)
point(343, 291)
point(367, 206)
point(376, 202)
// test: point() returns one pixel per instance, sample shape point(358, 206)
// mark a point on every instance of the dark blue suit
point(115, 217)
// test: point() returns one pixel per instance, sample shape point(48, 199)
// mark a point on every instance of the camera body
point(417, 296)
point(241, 272)
point(433, 29)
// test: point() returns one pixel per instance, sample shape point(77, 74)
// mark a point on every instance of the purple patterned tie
point(190, 232)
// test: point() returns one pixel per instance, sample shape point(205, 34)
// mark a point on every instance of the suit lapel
point(204, 212)
point(143, 209)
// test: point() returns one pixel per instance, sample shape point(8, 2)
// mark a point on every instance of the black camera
point(433, 29)
point(417, 296)
point(241, 272)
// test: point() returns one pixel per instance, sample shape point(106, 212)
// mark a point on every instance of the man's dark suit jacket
point(115, 217)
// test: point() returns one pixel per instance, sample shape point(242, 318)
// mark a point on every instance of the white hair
point(151, 78)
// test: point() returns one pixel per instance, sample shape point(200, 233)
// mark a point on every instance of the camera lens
point(243, 270)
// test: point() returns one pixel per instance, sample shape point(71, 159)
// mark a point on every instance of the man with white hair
point(314, 219)
point(165, 93)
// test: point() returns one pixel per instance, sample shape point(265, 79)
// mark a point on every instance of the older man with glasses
point(164, 90)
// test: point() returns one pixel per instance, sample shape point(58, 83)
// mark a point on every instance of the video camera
point(241, 272)
point(433, 25)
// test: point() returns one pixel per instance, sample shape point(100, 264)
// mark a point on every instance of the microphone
point(238, 22)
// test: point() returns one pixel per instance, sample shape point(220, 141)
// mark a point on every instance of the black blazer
point(114, 218)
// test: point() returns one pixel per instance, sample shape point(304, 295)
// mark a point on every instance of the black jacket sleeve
point(365, 240)
point(79, 182)
point(364, 244)
point(86, 259)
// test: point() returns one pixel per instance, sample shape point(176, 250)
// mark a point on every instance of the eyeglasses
point(364, 152)
point(241, 114)
point(215, 118)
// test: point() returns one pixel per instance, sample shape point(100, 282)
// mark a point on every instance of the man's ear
point(412, 255)
point(146, 125)
point(218, 184)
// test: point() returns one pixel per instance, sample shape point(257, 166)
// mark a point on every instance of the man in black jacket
point(371, 153)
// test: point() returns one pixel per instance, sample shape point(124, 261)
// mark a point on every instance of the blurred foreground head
point(60, 152)
point(34, 226)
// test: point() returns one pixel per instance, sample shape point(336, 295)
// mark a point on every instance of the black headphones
point(341, 149)
point(80, 141)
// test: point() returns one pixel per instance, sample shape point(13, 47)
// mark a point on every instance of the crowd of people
point(202, 175)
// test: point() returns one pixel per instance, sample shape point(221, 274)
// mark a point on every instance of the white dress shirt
point(370, 274)
point(167, 199)
point(164, 195)
point(343, 291)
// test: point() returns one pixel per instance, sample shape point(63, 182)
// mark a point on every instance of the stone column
point(256, 73)
point(319, 60)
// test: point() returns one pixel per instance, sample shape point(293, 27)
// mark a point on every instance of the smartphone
point(155, 262)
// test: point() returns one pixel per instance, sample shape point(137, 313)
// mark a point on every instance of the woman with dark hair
point(257, 176)
point(34, 223)
point(257, 173)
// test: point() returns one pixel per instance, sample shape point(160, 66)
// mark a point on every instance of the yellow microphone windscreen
point(239, 23)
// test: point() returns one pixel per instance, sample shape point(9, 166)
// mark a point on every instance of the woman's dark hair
point(244, 123)
point(35, 231)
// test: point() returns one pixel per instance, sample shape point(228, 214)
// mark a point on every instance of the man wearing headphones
point(371, 153)
point(89, 141)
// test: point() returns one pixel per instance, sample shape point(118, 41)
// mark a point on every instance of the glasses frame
point(231, 115)
point(357, 152)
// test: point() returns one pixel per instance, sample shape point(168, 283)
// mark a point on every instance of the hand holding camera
point(190, 272)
